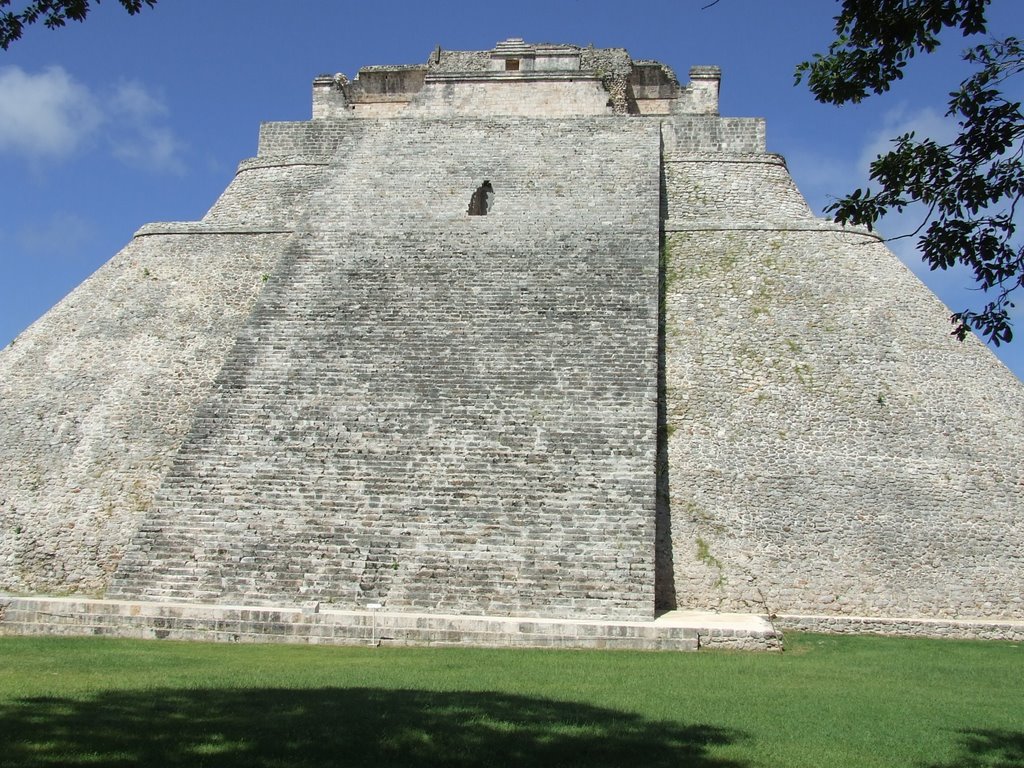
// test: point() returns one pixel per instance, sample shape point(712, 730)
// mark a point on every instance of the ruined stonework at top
point(528, 331)
point(518, 79)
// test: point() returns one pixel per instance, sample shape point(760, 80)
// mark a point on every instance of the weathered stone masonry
point(434, 410)
point(338, 387)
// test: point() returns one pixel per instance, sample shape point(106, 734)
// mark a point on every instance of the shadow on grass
point(274, 727)
point(988, 749)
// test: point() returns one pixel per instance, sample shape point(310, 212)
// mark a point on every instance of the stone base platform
point(315, 624)
point(953, 629)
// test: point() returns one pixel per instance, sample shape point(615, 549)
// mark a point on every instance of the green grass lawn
point(826, 701)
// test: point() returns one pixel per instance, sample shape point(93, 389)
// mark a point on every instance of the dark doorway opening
point(481, 201)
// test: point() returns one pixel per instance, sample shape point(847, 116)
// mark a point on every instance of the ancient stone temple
point(518, 346)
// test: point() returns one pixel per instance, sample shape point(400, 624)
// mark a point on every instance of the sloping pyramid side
point(97, 395)
point(830, 448)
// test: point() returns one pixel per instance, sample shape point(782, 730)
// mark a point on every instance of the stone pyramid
point(523, 332)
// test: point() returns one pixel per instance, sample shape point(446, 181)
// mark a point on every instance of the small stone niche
point(482, 200)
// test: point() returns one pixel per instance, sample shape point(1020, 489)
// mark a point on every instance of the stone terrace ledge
point(788, 225)
point(315, 624)
point(202, 228)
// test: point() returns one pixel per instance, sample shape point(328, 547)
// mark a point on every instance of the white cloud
point(821, 176)
point(45, 115)
point(924, 123)
point(49, 115)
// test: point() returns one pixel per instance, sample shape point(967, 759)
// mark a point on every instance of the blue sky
point(120, 121)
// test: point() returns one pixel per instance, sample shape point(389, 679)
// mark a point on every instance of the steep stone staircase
point(435, 411)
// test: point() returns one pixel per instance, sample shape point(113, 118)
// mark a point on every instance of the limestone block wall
point(832, 450)
point(700, 96)
point(316, 139)
point(707, 133)
point(550, 97)
point(97, 395)
point(712, 186)
point(378, 109)
point(267, 192)
point(329, 98)
point(433, 410)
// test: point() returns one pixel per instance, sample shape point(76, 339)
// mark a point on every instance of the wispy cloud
point(144, 140)
point(823, 176)
point(152, 148)
point(133, 100)
point(48, 115)
point(923, 123)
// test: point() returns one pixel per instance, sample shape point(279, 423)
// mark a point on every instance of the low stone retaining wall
point(966, 629)
point(313, 625)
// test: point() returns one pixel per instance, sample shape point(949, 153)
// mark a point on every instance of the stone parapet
point(700, 96)
point(329, 97)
